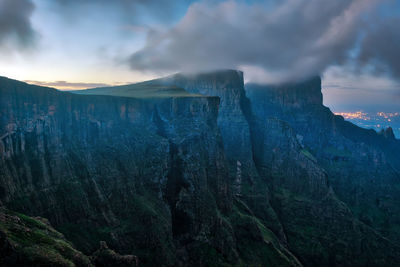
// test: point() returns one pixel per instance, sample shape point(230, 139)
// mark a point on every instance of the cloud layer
point(15, 23)
point(380, 48)
point(292, 40)
point(272, 41)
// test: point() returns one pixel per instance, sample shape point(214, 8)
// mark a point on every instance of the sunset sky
point(353, 44)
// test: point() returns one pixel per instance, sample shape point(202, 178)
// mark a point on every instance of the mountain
point(362, 165)
point(200, 170)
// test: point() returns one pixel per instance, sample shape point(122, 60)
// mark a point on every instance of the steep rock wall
point(234, 120)
point(134, 172)
point(360, 164)
point(148, 176)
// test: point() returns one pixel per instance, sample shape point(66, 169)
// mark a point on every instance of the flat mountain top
point(163, 87)
point(140, 90)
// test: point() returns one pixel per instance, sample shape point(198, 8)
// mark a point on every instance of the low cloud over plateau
point(290, 40)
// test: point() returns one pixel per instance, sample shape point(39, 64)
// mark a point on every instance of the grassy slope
point(27, 241)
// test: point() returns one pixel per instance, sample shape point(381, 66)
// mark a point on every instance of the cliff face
point(232, 115)
point(133, 169)
point(234, 120)
point(204, 175)
point(308, 207)
point(290, 191)
point(148, 176)
point(298, 104)
point(362, 166)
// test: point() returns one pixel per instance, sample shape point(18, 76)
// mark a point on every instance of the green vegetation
point(32, 242)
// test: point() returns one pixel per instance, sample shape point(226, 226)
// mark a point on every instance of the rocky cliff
point(149, 176)
point(362, 165)
point(197, 170)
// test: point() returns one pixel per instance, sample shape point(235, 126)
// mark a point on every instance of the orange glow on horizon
point(353, 115)
point(69, 86)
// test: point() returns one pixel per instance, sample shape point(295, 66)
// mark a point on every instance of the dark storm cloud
point(296, 39)
point(15, 24)
point(381, 47)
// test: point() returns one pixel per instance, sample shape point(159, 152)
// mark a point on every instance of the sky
point(74, 44)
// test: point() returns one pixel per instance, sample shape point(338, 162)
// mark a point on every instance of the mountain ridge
point(194, 180)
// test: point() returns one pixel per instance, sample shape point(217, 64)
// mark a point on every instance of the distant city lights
point(377, 121)
point(353, 115)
